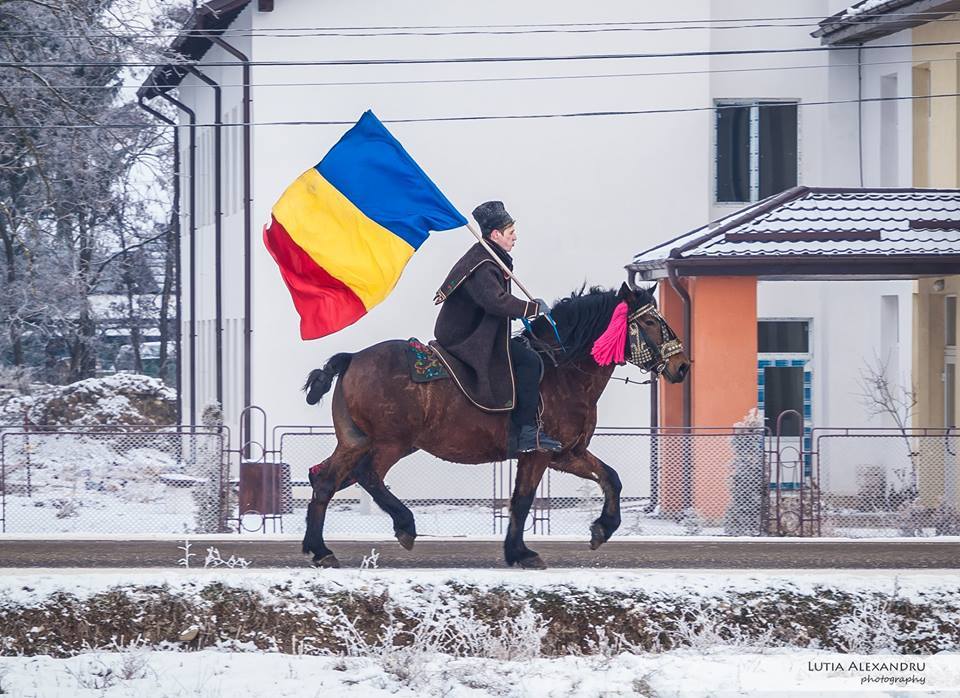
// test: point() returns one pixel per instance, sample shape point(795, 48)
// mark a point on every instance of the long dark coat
point(473, 328)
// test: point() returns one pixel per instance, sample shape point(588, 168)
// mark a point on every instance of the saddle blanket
point(424, 364)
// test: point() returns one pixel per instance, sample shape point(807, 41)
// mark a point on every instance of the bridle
point(643, 351)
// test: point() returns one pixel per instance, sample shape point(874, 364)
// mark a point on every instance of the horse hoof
point(598, 536)
point(327, 561)
point(532, 563)
point(406, 539)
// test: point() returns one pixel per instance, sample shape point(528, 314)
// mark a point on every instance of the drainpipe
point(247, 222)
point(218, 221)
point(681, 291)
point(192, 303)
point(176, 242)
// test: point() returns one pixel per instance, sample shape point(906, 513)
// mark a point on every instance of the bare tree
point(75, 193)
point(883, 397)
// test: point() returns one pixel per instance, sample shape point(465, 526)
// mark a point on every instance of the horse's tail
point(320, 379)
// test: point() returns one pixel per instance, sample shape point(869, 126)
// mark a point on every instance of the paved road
point(488, 554)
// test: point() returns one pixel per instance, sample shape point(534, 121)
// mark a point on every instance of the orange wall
point(724, 384)
point(725, 347)
point(724, 354)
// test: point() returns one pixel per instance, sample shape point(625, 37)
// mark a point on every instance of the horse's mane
point(581, 318)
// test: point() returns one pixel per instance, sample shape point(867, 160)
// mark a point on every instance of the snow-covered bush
point(746, 477)
point(123, 398)
point(205, 464)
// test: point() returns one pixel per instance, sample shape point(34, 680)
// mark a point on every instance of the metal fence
point(886, 482)
point(743, 482)
point(705, 481)
point(113, 479)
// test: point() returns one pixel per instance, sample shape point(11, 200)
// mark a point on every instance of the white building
point(589, 192)
point(690, 135)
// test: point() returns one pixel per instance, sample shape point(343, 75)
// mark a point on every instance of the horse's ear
point(626, 293)
point(652, 290)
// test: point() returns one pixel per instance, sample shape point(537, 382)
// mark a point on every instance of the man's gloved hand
point(542, 307)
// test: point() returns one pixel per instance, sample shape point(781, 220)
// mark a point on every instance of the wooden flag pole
point(496, 258)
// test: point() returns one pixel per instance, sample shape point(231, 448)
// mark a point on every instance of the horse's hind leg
point(530, 469)
point(326, 480)
point(589, 467)
point(369, 474)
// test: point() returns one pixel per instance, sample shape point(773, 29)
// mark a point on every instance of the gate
point(793, 492)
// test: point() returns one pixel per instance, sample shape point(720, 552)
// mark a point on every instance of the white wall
point(882, 69)
point(588, 193)
point(846, 337)
point(847, 316)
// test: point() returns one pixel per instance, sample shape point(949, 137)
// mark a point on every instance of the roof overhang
point(882, 20)
point(820, 233)
point(806, 267)
point(192, 43)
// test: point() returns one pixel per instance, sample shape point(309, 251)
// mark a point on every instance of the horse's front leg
point(589, 467)
point(530, 469)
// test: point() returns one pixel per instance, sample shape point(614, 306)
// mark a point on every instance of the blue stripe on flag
point(370, 167)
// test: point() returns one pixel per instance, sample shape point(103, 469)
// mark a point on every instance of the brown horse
point(380, 415)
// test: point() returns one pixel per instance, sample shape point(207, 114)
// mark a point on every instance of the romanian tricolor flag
point(344, 230)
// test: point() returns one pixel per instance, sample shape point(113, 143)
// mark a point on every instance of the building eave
point(805, 266)
point(192, 43)
point(886, 19)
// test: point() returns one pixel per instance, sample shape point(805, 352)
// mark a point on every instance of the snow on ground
point(30, 585)
point(713, 664)
point(681, 673)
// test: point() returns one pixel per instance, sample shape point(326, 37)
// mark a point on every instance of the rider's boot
point(531, 438)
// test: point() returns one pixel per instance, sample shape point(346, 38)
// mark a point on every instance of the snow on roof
point(871, 19)
point(806, 221)
point(871, 6)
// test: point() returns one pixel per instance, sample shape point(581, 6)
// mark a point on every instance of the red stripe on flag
point(325, 304)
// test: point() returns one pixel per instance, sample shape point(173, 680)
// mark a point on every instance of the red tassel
point(611, 346)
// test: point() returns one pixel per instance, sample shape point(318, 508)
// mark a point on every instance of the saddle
point(423, 362)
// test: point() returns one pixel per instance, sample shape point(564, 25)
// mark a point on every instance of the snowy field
point(687, 673)
point(373, 632)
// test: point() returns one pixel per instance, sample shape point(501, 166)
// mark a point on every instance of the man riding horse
point(495, 372)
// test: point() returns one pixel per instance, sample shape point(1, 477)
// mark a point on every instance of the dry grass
point(472, 621)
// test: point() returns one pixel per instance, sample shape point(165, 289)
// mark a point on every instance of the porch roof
point(815, 232)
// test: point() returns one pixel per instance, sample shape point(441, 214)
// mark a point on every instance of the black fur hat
point(490, 216)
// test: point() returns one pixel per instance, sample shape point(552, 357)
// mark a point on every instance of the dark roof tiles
point(829, 222)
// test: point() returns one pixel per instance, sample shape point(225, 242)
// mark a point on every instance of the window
point(783, 390)
point(782, 337)
point(756, 149)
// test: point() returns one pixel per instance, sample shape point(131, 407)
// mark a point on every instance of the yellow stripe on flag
point(341, 239)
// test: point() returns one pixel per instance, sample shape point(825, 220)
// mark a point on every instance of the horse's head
point(651, 342)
